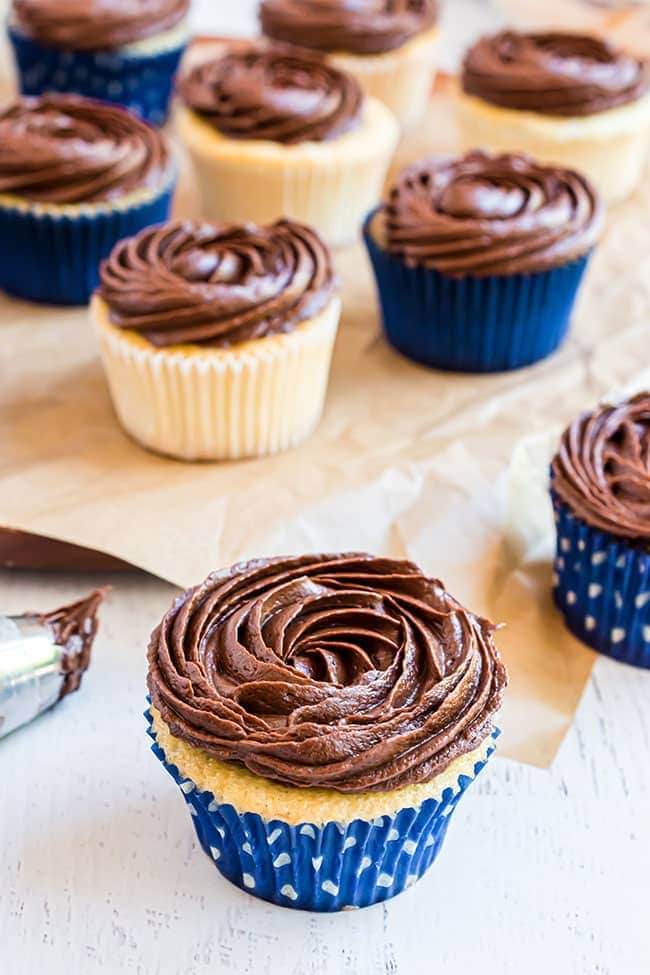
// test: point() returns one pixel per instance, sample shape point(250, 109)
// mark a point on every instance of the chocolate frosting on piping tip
point(352, 26)
point(96, 24)
point(64, 149)
point(345, 671)
point(602, 469)
point(74, 628)
point(215, 284)
point(554, 74)
point(483, 215)
point(276, 93)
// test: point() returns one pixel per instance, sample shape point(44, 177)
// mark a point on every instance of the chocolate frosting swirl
point(96, 24)
point(555, 74)
point(67, 149)
point(344, 671)
point(215, 284)
point(481, 215)
point(351, 26)
point(602, 469)
point(74, 628)
point(276, 93)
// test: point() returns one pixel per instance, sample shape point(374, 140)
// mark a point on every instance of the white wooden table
point(542, 872)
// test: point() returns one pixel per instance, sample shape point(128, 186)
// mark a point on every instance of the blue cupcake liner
point(473, 324)
point(54, 258)
point(331, 867)
point(141, 82)
point(602, 587)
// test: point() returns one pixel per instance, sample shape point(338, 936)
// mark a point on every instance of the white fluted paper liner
point(197, 403)
point(329, 185)
point(610, 147)
point(402, 79)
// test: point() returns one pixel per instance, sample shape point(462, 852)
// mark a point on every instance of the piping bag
point(43, 657)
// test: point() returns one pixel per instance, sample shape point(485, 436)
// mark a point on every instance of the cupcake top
point(554, 74)
point(602, 469)
point(273, 93)
point(482, 215)
point(352, 26)
point(65, 149)
point(347, 672)
point(215, 284)
point(95, 24)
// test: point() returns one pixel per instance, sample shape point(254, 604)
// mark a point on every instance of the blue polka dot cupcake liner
point(601, 585)
point(142, 82)
point(326, 867)
point(53, 257)
point(473, 324)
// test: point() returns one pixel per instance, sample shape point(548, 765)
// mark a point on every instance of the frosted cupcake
point(216, 340)
point(478, 259)
point(600, 484)
point(120, 51)
point(75, 177)
point(389, 47)
point(322, 716)
point(277, 133)
point(564, 98)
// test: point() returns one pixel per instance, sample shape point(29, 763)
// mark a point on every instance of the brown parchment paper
point(445, 469)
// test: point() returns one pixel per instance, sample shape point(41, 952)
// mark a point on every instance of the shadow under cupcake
point(322, 716)
point(478, 259)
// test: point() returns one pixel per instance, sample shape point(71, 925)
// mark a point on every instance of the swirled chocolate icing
point(344, 671)
point(602, 469)
point(274, 93)
point(351, 26)
point(481, 215)
point(74, 628)
point(555, 74)
point(67, 149)
point(215, 284)
point(95, 24)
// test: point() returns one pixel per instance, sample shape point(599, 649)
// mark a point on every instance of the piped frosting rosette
point(323, 714)
point(126, 53)
point(488, 251)
point(600, 483)
point(76, 175)
point(217, 339)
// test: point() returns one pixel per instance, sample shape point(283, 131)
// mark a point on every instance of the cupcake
point(568, 99)
point(75, 177)
point(125, 53)
point(389, 47)
point(478, 259)
point(216, 340)
point(600, 485)
point(275, 132)
point(322, 715)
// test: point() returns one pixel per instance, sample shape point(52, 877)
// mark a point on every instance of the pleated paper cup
point(321, 864)
point(610, 147)
point(198, 403)
point(328, 185)
point(402, 79)
point(138, 76)
point(601, 586)
point(472, 324)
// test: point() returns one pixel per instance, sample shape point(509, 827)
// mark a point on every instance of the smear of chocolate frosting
point(602, 469)
point(481, 215)
point(96, 24)
point(344, 671)
point(74, 628)
point(67, 149)
point(555, 74)
point(351, 26)
point(216, 284)
point(277, 93)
